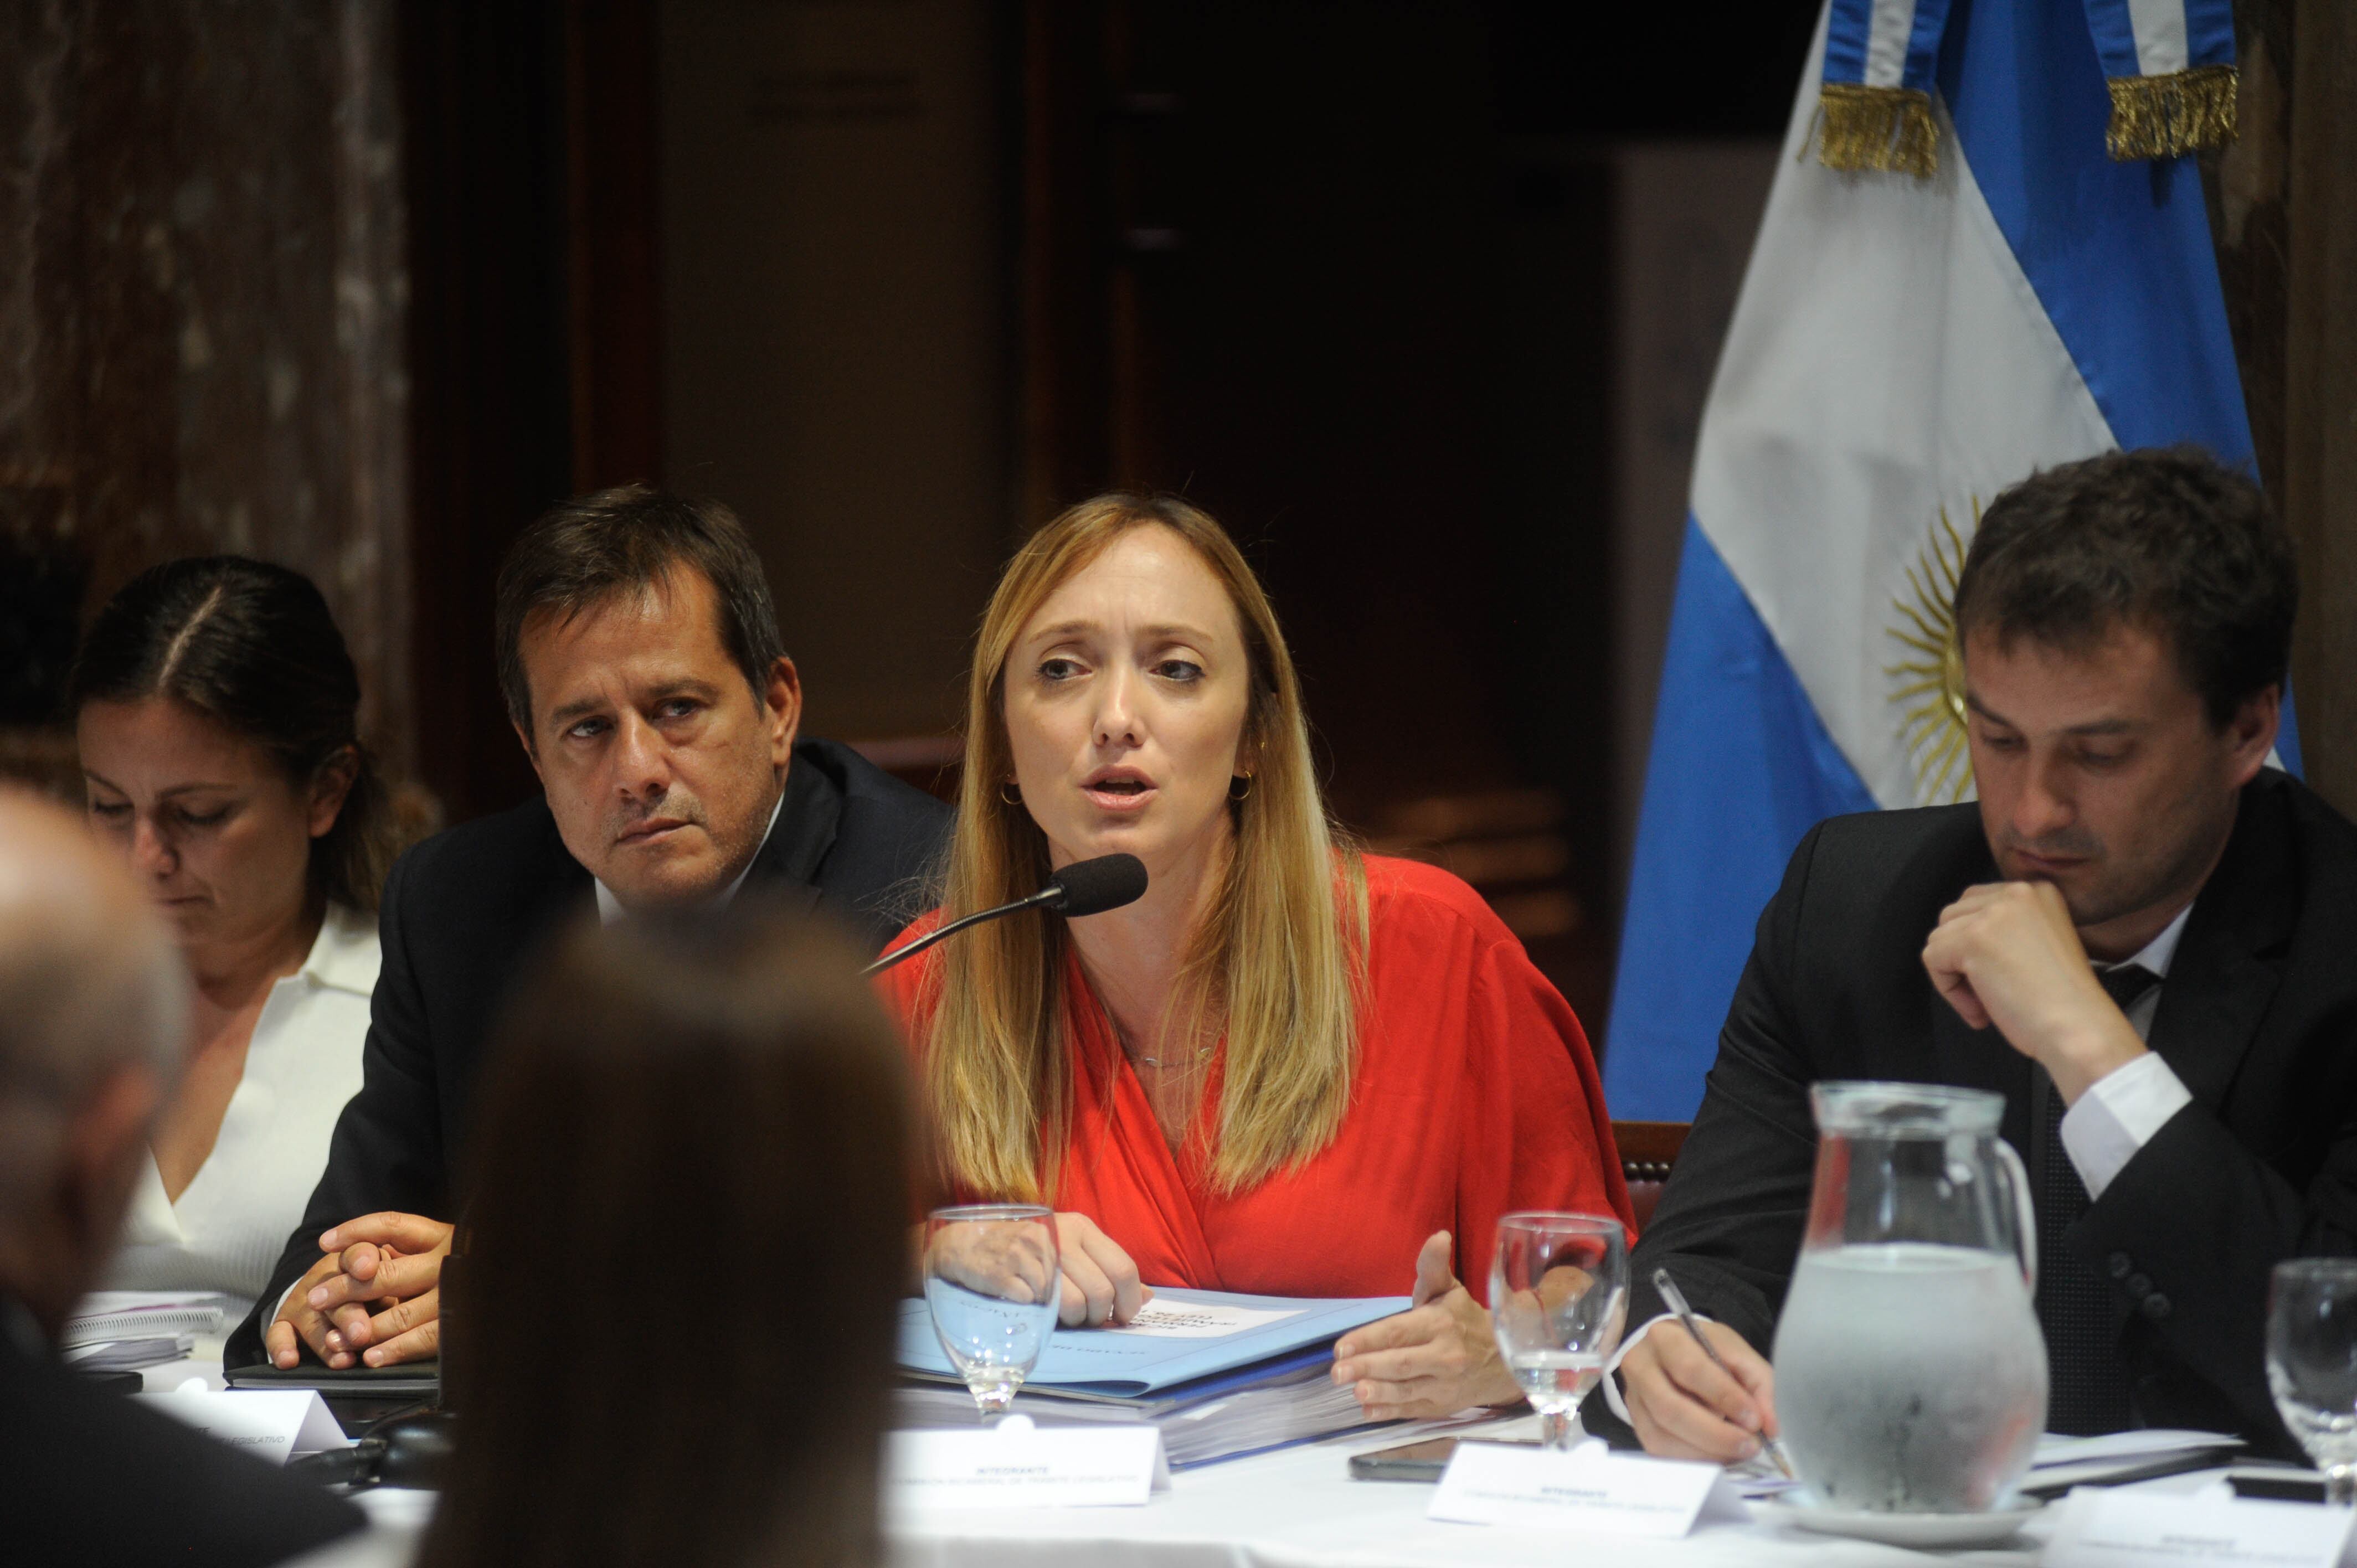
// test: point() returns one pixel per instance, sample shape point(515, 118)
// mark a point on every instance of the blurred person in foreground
point(215, 712)
point(681, 1090)
point(2141, 935)
point(640, 655)
point(1290, 1069)
point(93, 1033)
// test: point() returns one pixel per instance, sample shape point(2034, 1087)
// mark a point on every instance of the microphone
point(1092, 887)
point(1083, 887)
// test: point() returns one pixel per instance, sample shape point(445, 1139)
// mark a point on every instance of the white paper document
point(1590, 1487)
point(2212, 1528)
point(275, 1424)
point(1196, 1320)
point(1018, 1465)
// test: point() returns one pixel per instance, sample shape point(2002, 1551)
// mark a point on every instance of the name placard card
point(2208, 1530)
point(1018, 1465)
point(1590, 1487)
point(275, 1424)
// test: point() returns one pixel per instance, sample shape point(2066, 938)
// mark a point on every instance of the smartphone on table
point(1422, 1460)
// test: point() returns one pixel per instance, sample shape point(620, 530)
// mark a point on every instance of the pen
point(1677, 1300)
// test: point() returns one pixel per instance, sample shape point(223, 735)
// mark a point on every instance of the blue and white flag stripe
point(2161, 37)
point(1902, 348)
point(1885, 43)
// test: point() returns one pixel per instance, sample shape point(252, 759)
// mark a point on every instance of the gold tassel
point(2184, 112)
point(1877, 128)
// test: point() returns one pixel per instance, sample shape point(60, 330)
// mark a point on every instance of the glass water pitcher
point(1910, 1373)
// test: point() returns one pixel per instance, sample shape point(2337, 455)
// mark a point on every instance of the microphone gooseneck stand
point(1083, 887)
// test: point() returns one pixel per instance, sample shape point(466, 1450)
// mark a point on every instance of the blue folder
point(1096, 1363)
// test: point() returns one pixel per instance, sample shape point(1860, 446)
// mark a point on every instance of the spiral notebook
point(110, 1314)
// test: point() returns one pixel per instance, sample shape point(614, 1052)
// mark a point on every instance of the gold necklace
point(1200, 1056)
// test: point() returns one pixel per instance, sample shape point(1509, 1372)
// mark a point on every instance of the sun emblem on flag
point(1931, 674)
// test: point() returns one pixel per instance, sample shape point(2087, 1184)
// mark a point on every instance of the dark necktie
point(2089, 1385)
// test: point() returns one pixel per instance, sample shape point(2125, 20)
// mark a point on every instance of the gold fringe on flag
point(2161, 116)
point(1877, 128)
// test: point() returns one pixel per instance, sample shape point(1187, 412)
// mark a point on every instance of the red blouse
point(1476, 1095)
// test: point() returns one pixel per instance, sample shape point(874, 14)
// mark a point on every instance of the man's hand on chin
point(375, 1297)
point(2005, 953)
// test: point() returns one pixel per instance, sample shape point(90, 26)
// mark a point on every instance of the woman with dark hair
point(215, 710)
point(672, 1089)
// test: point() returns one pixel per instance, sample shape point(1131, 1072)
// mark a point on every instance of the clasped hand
point(1435, 1358)
point(2005, 953)
point(375, 1297)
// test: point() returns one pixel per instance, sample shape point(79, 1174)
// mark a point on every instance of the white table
point(1298, 1507)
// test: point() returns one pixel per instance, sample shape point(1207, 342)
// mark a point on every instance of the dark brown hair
point(2169, 541)
point(671, 1331)
point(632, 539)
point(252, 647)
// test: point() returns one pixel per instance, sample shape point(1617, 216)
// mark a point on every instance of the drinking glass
point(1559, 1298)
point(991, 1281)
point(2312, 1364)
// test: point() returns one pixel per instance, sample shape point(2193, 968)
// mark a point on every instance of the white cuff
point(2118, 1115)
point(1612, 1367)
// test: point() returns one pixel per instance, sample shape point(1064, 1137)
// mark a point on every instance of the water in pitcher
point(1910, 1377)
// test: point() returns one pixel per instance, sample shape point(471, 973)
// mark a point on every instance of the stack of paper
point(110, 1314)
point(1221, 1374)
point(2063, 1463)
point(127, 1355)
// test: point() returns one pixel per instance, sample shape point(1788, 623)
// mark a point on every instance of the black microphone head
point(1092, 886)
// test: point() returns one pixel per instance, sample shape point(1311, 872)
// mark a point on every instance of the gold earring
point(1011, 792)
point(1242, 794)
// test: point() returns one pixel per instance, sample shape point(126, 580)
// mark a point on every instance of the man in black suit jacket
point(93, 1033)
point(2189, 1116)
point(639, 654)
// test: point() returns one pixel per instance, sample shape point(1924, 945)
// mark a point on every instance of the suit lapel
point(2230, 958)
point(788, 865)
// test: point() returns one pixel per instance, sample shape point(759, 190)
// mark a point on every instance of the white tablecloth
point(1298, 1507)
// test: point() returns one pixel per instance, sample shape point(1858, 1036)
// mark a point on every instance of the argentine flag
point(1983, 291)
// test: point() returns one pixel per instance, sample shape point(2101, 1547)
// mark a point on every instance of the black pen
point(1677, 1300)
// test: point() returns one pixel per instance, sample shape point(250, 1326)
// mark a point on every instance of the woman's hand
point(1094, 1281)
point(1100, 1285)
point(1008, 1261)
point(1435, 1358)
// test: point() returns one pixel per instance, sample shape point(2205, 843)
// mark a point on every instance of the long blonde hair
point(1276, 961)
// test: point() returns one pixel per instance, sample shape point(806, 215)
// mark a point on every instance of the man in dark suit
point(2142, 936)
point(93, 1033)
point(640, 655)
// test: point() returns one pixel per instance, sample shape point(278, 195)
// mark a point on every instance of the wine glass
point(992, 1285)
point(2312, 1364)
point(1558, 1298)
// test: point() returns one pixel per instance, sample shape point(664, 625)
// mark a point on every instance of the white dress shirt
point(2122, 1109)
point(2117, 1115)
point(226, 1231)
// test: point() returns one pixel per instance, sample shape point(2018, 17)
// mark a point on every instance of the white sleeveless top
point(228, 1229)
